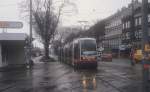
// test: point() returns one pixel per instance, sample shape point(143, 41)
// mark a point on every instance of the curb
point(13, 68)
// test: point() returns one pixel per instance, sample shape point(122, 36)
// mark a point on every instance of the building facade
point(113, 30)
point(125, 28)
point(132, 34)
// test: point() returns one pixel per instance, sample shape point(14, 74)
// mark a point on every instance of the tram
point(82, 52)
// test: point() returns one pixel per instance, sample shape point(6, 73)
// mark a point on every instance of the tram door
point(4, 55)
point(76, 52)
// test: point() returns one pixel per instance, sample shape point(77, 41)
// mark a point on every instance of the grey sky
point(89, 10)
point(9, 11)
point(92, 10)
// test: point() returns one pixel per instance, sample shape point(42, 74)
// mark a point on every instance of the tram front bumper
point(86, 64)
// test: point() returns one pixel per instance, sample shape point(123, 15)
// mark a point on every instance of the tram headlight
point(92, 58)
point(84, 83)
point(83, 58)
point(94, 82)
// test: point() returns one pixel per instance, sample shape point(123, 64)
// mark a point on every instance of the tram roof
point(79, 39)
point(86, 38)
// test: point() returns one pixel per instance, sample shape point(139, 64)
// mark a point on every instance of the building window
point(127, 35)
point(136, 34)
point(123, 26)
point(129, 24)
point(136, 22)
point(140, 20)
point(126, 25)
point(140, 33)
point(148, 31)
point(148, 17)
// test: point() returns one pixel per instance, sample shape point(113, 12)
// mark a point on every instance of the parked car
point(106, 57)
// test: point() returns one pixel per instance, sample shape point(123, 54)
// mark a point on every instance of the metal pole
point(30, 47)
point(132, 24)
point(132, 20)
point(132, 36)
point(144, 42)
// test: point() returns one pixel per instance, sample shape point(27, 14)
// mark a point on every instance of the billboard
point(11, 24)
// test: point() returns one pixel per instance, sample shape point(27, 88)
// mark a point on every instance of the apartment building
point(124, 27)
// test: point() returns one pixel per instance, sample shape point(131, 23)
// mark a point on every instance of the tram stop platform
point(12, 51)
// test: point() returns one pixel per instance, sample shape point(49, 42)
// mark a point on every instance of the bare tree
point(97, 31)
point(46, 18)
point(46, 22)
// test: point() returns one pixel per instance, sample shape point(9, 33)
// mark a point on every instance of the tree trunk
point(46, 47)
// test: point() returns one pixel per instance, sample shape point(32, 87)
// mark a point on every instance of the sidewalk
point(12, 68)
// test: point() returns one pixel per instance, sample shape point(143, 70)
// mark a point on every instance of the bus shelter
point(12, 52)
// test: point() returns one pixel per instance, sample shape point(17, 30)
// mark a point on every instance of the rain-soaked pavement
point(116, 76)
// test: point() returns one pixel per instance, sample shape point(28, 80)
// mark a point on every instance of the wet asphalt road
point(116, 76)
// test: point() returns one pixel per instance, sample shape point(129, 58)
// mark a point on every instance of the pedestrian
point(132, 56)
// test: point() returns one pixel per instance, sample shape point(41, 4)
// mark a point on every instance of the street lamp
point(30, 41)
point(132, 24)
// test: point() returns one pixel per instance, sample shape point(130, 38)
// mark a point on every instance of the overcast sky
point(93, 10)
point(9, 11)
point(86, 10)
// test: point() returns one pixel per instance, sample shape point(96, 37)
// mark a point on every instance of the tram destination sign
point(11, 24)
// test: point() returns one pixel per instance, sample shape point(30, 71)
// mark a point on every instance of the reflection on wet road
point(58, 77)
point(88, 78)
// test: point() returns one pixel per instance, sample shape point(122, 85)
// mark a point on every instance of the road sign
point(11, 24)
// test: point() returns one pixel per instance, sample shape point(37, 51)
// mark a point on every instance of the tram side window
point(76, 51)
point(67, 52)
point(70, 51)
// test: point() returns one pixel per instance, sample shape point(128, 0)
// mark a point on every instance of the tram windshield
point(88, 47)
point(89, 53)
